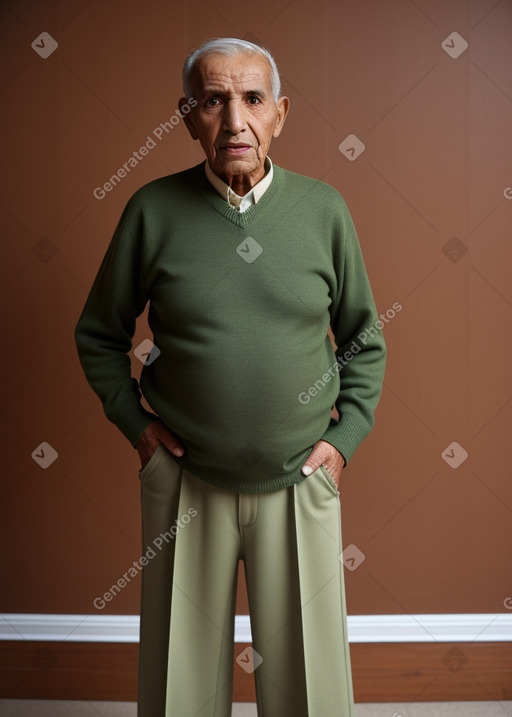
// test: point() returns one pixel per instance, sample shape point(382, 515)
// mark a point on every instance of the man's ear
point(189, 122)
point(283, 106)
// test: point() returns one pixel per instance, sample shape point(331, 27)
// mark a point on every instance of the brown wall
point(436, 164)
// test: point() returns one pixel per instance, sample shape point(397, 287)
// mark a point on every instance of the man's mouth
point(235, 149)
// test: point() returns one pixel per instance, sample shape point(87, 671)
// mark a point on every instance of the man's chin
point(238, 165)
point(239, 173)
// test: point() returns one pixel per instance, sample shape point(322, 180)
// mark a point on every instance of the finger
point(172, 444)
point(154, 435)
point(323, 453)
point(313, 462)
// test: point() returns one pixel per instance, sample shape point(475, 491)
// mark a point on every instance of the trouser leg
point(160, 491)
point(189, 592)
point(297, 602)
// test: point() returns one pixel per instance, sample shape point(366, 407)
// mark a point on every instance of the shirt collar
point(235, 200)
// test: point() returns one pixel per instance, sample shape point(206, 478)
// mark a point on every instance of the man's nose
point(234, 116)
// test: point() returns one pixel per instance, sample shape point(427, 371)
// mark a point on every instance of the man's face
point(236, 116)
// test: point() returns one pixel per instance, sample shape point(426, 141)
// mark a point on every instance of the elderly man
point(245, 267)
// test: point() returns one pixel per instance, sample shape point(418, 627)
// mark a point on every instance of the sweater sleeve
point(105, 330)
point(361, 353)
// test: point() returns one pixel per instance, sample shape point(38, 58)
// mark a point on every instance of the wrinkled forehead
point(232, 73)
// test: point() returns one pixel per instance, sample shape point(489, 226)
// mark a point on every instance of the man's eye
point(254, 100)
point(212, 101)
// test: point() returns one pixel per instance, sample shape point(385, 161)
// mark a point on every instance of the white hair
point(229, 46)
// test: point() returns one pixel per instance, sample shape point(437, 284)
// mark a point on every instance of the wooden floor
point(382, 673)
point(28, 708)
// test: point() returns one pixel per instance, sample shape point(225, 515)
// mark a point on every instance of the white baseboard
point(361, 628)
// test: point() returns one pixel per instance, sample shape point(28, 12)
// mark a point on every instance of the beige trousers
point(194, 536)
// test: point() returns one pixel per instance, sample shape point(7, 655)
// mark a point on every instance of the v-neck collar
point(240, 219)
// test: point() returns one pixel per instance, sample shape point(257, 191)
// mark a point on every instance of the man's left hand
point(325, 454)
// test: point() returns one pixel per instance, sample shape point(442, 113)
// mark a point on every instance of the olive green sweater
point(240, 305)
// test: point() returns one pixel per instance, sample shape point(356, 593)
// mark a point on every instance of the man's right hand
point(155, 434)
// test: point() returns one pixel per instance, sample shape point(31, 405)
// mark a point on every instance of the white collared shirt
point(235, 200)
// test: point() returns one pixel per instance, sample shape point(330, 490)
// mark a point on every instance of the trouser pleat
point(323, 609)
point(201, 631)
point(274, 605)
